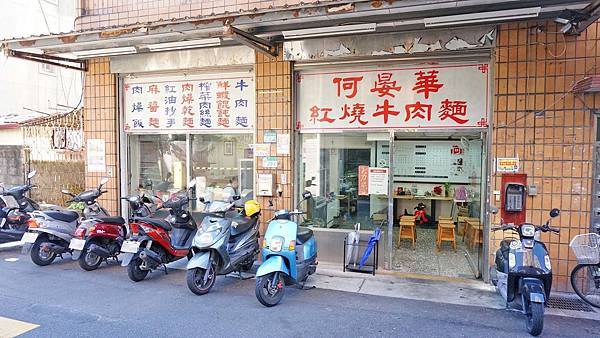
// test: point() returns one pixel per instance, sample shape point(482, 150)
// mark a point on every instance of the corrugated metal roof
point(225, 15)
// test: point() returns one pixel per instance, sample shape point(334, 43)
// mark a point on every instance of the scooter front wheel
point(200, 281)
point(535, 319)
point(134, 270)
point(270, 289)
point(42, 255)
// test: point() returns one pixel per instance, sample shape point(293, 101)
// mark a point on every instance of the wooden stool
point(408, 230)
point(476, 234)
point(446, 233)
point(468, 222)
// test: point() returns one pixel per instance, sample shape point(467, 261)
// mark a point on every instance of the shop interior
point(221, 164)
point(329, 170)
point(436, 188)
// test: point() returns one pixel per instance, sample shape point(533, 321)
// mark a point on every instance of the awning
point(258, 29)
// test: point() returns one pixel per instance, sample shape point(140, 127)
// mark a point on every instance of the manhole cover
point(568, 303)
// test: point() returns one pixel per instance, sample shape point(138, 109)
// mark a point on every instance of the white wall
point(11, 137)
point(25, 83)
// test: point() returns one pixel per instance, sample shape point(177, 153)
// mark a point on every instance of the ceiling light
point(453, 20)
point(104, 52)
point(157, 47)
point(329, 31)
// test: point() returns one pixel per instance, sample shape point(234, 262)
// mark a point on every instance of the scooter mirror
point(66, 192)
point(306, 195)
point(31, 174)
point(236, 197)
point(494, 210)
point(192, 183)
point(270, 203)
point(554, 212)
point(103, 181)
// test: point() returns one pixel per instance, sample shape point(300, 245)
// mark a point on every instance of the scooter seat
point(155, 221)
point(113, 220)
point(63, 215)
point(303, 235)
point(243, 225)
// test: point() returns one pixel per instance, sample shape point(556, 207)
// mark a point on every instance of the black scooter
point(523, 272)
point(14, 211)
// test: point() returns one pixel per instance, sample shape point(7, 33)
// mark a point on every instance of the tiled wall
point(100, 122)
point(534, 71)
point(103, 13)
point(274, 112)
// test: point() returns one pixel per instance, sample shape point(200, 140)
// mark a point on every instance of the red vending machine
point(513, 198)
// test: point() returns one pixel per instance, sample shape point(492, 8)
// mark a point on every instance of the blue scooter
point(290, 256)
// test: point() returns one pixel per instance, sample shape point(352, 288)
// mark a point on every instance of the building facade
point(409, 110)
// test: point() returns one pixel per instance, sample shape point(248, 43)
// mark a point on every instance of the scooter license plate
point(29, 237)
point(130, 246)
point(77, 244)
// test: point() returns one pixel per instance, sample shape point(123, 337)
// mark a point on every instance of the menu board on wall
point(419, 96)
point(437, 161)
point(223, 102)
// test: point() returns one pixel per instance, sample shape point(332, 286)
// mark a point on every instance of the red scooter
point(99, 238)
point(155, 242)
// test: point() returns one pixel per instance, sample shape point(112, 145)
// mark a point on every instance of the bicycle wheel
point(585, 280)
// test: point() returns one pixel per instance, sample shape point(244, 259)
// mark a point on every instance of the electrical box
point(513, 198)
point(265, 185)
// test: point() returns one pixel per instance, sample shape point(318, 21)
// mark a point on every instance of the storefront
point(378, 139)
point(189, 124)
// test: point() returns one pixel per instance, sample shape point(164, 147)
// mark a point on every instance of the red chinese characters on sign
point(427, 82)
point(347, 84)
point(454, 110)
point(153, 89)
point(223, 103)
point(153, 122)
point(188, 122)
point(153, 106)
point(320, 115)
point(187, 111)
point(354, 114)
point(418, 110)
point(384, 85)
point(385, 110)
point(187, 87)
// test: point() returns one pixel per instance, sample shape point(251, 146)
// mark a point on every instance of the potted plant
point(447, 188)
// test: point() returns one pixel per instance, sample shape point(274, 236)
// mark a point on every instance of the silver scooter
point(50, 232)
point(226, 242)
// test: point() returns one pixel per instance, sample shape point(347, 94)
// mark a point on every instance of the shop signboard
point(363, 180)
point(189, 103)
point(427, 97)
point(507, 164)
point(270, 162)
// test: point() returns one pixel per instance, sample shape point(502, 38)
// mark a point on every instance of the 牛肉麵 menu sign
point(446, 96)
point(189, 103)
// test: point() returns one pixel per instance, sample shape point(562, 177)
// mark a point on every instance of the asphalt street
point(67, 301)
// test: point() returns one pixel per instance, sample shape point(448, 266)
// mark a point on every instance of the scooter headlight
point(206, 236)
point(512, 260)
point(527, 230)
point(276, 244)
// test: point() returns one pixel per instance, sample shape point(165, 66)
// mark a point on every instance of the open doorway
point(437, 203)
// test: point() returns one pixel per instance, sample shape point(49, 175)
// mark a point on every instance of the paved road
point(66, 301)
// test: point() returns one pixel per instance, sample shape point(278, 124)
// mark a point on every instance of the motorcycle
point(99, 238)
point(14, 211)
point(226, 241)
point(155, 242)
point(290, 256)
point(50, 232)
point(523, 271)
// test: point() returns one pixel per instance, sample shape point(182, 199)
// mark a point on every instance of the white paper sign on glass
point(178, 103)
point(428, 97)
point(378, 181)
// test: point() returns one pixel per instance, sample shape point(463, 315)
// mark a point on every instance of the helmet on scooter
point(251, 208)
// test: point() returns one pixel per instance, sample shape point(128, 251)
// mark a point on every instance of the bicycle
point(585, 277)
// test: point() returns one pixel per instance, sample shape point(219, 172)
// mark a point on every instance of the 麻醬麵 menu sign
point(448, 96)
point(189, 103)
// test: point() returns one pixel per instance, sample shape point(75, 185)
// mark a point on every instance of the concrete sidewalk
point(438, 289)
